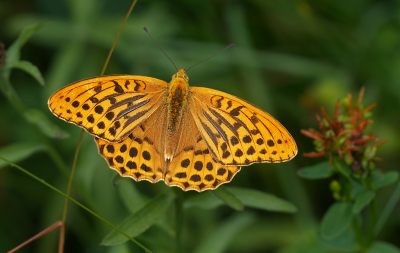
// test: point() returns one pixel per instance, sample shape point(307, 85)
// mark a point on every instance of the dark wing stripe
point(271, 124)
point(216, 126)
point(227, 124)
point(125, 101)
point(131, 108)
point(109, 96)
point(135, 117)
point(210, 133)
point(240, 122)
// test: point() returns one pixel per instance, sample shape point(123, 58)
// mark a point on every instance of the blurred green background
point(290, 58)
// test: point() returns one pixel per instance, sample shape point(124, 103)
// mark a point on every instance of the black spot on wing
point(118, 87)
point(236, 111)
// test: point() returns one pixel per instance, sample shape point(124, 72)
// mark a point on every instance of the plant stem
point(179, 219)
point(71, 176)
point(374, 217)
point(116, 38)
point(359, 233)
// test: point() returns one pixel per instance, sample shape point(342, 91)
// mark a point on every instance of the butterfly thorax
point(176, 103)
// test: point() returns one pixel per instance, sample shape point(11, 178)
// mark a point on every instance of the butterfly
point(192, 137)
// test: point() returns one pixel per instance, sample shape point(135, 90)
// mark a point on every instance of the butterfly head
point(180, 75)
point(179, 81)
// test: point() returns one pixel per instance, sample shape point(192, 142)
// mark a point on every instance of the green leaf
point(140, 221)
point(362, 200)
point(342, 167)
point(383, 247)
point(345, 242)
point(204, 200)
point(384, 179)
point(131, 197)
point(30, 69)
point(49, 129)
point(262, 200)
point(317, 171)
point(336, 220)
point(13, 52)
point(19, 151)
point(228, 198)
point(218, 240)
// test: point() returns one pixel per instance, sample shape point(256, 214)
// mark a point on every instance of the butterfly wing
point(141, 155)
point(109, 107)
point(238, 133)
point(192, 167)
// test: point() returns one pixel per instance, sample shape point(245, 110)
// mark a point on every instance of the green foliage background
point(290, 58)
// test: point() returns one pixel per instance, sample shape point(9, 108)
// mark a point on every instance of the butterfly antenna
point(231, 45)
point(144, 28)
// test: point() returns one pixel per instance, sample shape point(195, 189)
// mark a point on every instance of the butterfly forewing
point(238, 133)
point(109, 107)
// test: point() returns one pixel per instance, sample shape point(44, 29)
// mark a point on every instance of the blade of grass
point(47, 230)
point(71, 175)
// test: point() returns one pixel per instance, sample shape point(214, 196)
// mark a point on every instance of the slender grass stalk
point(76, 202)
point(64, 217)
point(116, 38)
point(62, 232)
point(42, 233)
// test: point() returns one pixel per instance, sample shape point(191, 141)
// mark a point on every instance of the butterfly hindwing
point(193, 167)
point(238, 133)
point(109, 107)
point(139, 156)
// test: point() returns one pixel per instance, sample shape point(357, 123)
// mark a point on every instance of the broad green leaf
point(39, 119)
point(19, 151)
point(336, 220)
point(204, 200)
point(123, 248)
point(317, 171)
point(131, 197)
point(383, 247)
point(228, 198)
point(346, 241)
point(140, 221)
point(362, 200)
point(384, 179)
point(13, 52)
point(30, 69)
point(218, 240)
point(342, 167)
point(262, 200)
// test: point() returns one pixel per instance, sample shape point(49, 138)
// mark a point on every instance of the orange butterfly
point(192, 137)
